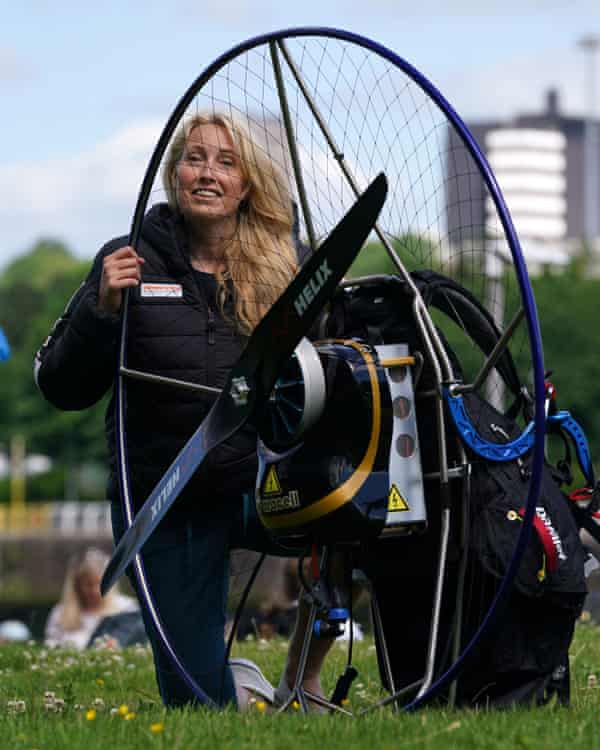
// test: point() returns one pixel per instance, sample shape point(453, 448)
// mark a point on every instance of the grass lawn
point(54, 700)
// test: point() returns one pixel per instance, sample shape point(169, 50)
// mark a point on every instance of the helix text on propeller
point(166, 491)
point(314, 286)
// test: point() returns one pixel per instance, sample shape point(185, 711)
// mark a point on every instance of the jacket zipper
point(210, 327)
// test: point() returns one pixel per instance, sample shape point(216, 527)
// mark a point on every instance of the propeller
point(252, 378)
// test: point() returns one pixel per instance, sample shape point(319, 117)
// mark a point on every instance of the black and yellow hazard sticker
point(271, 484)
point(396, 501)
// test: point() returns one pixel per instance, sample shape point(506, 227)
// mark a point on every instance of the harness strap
point(546, 540)
point(497, 452)
point(584, 505)
point(562, 422)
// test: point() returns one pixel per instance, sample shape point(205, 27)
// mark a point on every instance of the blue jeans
point(187, 569)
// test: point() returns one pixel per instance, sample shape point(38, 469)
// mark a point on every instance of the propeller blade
point(253, 376)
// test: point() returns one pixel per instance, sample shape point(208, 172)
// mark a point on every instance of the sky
point(86, 87)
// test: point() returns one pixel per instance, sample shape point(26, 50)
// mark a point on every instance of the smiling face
point(209, 180)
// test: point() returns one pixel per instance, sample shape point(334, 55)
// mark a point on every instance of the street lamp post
point(590, 44)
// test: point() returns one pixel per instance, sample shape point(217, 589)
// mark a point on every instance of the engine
point(338, 446)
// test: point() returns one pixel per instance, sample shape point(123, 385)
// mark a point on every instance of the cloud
point(88, 197)
point(518, 85)
point(13, 67)
point(77, 199)
point(475, 8)
point(223, 11)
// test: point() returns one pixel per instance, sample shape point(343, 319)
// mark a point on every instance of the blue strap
point(562, 420)
point(491, 451)
point(4, 347)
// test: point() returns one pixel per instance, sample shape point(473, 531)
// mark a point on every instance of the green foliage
point(47, 260)
point(46, 486)
point(414, 251)
point(34, 291)
point(571, 337)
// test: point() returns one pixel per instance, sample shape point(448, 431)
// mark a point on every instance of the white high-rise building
point(530, 167)
point(539, 161)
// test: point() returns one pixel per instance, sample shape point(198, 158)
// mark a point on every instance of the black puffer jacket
point(181, 335)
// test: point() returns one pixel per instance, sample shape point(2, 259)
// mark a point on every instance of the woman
point(81, 608)
point(210, 263)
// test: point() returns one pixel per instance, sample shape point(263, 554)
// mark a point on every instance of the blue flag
point(4, 347)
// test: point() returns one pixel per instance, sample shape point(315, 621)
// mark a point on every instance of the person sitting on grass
point(81, 608)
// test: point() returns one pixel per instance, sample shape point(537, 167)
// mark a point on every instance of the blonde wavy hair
point(92, 561)
point(262, 259)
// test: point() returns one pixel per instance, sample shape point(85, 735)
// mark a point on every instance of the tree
point(415, 251)
point(46, 260)
point(34, 290)
point(571, 338)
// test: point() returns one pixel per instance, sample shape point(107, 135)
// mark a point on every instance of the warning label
point(271, 485)
point(396, 501)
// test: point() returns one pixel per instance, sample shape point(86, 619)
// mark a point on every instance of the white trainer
point(247, 674)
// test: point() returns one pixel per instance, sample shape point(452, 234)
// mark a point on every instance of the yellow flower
point(91, 714)
point(157, 728)
point(261, 706)
point(129, 716)
point(345, 701)
point(100, 681)
point(123, 709)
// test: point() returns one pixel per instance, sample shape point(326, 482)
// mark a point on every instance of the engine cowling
point(334, 483)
